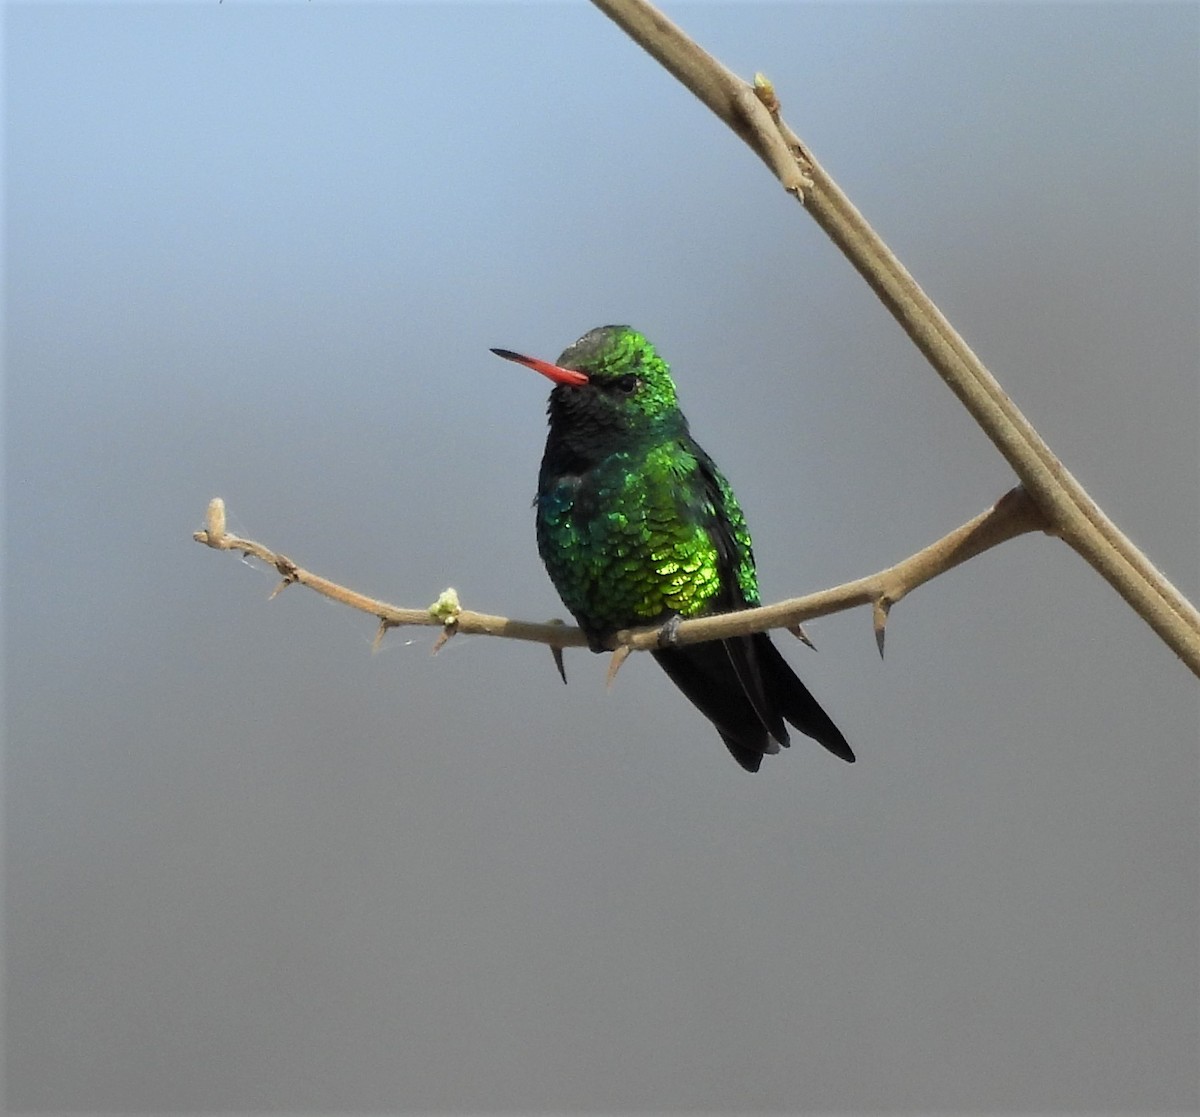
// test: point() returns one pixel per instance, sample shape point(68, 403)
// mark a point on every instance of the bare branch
point(444, 613)
point(1014, 514)
point(753, 113)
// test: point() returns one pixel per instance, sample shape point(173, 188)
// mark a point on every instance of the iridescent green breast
point(645, 535)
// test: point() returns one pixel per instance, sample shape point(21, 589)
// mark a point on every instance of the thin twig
point(1014, 514)
point(1072, 514)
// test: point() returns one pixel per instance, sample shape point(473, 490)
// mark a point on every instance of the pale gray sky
point(261, 250)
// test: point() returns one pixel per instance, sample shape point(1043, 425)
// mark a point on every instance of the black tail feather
point(745, 687)
point(797, 704)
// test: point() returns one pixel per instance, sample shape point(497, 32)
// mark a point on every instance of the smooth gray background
point(261, 252)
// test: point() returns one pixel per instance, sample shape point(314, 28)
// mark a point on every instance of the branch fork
point(752, 111)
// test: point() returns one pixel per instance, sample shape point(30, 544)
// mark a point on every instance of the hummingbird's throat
point(559, 375)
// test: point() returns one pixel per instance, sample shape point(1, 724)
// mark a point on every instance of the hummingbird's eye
point(628, 384)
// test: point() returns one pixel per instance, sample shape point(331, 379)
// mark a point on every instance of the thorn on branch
point(443, 639)
point(377, 643)
point(619, 656)
point(879, 617)
point(288, 571)
point(557, 652)
point(801, 635)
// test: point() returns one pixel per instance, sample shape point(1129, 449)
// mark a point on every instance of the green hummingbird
point(636, 525)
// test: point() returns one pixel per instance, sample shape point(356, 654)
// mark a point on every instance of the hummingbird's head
point(611, 378)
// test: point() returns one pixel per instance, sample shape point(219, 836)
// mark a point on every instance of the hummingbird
point(636, 525)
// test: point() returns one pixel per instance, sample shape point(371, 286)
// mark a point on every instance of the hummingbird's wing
point(727, 680)
point(721, 516)
point(769, 687)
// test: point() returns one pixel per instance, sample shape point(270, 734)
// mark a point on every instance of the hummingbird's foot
point(668, 635)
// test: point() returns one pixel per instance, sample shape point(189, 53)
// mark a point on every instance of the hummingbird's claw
point(668, 635)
